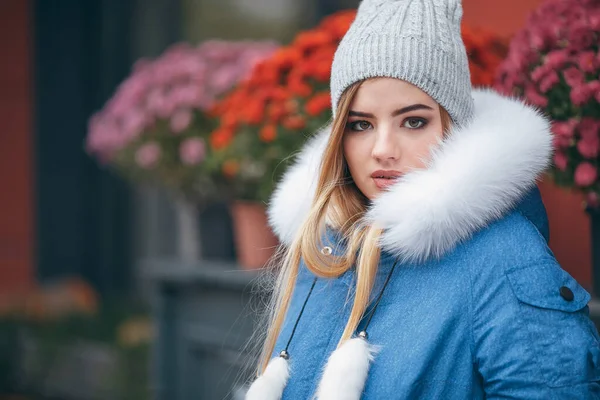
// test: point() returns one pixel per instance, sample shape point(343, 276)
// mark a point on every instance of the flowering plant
point(156, 125)
point(554, 64)
point(265, 118)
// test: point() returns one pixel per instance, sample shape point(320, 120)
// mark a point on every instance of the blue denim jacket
point(487, 321)
point(479, 307)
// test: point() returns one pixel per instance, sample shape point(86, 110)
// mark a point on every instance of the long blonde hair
point(339, 202)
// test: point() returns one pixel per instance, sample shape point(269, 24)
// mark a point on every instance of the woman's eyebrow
point(403, 110)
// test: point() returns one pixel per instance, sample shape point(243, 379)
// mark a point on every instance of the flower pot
point(204, 231)
point(255, 242)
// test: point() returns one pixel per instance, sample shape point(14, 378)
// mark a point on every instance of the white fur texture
point(475, 176)
point(346, 371)
point(270, 385)
point(293, 197)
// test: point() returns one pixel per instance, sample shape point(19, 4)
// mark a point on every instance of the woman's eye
point(414, 123)
point(359, 125)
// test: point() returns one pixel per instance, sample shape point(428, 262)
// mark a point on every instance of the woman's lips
point(384, 178)
point(383, 183)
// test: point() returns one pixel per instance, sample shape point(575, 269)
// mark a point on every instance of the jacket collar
point(476, 175)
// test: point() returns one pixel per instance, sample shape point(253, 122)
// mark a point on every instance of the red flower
point(268, 133)
point(230, 168)
point(318, 103)
point(294, 122)
point(221, 138)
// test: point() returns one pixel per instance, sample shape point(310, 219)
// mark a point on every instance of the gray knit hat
point(418, 41)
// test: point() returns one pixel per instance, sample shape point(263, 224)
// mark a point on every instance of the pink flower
point(192, 151)
point(183, 96)
point(594, 20)
point(581, 37)
point(167, 108)
point(588, 149)
point(589, 128)
point(593, 86)
point(535, 98)
point(147, 155)
point(585, 174)
point(133, 124)
point(538, 39)
point(573, 76)
point(549, 82)
point(561, 142)
point(560, 160)
point(181, 120)
point(593, 200)
point(556, 58)
point(225, 78)
point(587, 61)
point(564, 129)
point(589, 144)
point(155, 100)
point(580, 95)
point(539, 73)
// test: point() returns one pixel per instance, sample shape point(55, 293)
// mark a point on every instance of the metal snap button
point(566, 293)
point(326, 250)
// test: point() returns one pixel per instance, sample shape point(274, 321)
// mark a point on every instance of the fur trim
point(474, 177)
point(292, 198)
point(346, 371)
point(270, 385)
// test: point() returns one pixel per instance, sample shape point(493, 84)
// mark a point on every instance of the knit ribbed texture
point(418, 41)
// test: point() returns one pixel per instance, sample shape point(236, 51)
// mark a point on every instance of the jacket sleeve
point(532, 334)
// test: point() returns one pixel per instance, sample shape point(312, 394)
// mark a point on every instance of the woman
point(417, 263)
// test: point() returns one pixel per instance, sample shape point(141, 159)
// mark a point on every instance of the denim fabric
point(487, 321)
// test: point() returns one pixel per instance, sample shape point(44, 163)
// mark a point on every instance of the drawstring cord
point(284, 353)
point(363, 333)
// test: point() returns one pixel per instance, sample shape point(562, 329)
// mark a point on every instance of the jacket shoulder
point(532, 335)
point(511, 241)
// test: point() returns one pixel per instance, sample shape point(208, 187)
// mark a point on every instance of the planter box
point(205, 314)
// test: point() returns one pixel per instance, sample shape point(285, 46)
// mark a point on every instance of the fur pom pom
point(346, 371)
point(270, 385)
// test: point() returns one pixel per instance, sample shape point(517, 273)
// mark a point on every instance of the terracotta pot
point(255, 242)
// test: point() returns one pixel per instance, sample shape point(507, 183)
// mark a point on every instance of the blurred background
point(123, 275)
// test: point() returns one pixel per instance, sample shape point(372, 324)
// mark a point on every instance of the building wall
point(16, 158)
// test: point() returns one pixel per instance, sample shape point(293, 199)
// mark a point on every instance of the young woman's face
point(391, 128)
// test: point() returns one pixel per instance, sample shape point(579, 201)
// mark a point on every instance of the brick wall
point(16, 158)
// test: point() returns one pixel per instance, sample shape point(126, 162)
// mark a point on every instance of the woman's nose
point(385, 146)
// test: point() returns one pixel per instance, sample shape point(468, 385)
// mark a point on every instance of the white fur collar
point(474, 177)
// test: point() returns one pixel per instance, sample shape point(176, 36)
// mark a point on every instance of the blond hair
point(339, 202)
